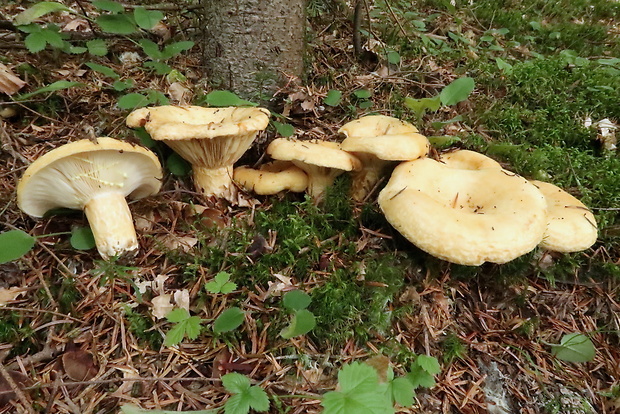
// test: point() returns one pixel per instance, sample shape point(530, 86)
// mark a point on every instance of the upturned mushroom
point(94, 177)
point(272, 178)
point(322, 161)
point(571, 226)
point(378, 141)
point(211, 139)
point(464, 216)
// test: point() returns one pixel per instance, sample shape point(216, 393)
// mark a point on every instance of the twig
point(402, 29)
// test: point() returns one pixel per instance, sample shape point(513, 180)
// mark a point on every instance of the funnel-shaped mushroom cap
point(393, 140)
point(322, 161)
point(468, 160)
point(211, 139)
point(464, 216)
point(571, 226)
point(272, 178)
point(94, 177)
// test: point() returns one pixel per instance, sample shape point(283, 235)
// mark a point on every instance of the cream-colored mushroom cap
point(211, 139)
point(94, 177)
point(468, 160)
point(272, 178)
point(464, 216)
point(571, 226)
point(322, 161)
point(393, 140)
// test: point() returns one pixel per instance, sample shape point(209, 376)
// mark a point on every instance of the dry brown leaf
point(9, 82)
point(162, 305)
point(10, 294)
point(79, 365)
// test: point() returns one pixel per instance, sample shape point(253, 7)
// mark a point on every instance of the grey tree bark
point(252, 46)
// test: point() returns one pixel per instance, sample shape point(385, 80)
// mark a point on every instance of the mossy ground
point(540, 69)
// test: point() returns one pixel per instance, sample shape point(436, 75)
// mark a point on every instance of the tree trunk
point(251, 47)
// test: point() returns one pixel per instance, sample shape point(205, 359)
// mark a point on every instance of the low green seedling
point(221, 284)
point(244, 395)
point(574, 347)
point(303, 321)
point(185, 326)
point(457, 91)
point(132, 409)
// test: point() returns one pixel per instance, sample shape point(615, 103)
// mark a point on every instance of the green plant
point(303, 321)
point(185, 326)
point(132, 409)
point(245, 396)
point(574, 347)
point(228, 320)
point(221, 284)
point(457, 91)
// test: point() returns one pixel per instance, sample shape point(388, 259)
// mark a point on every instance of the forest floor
point(77, 336)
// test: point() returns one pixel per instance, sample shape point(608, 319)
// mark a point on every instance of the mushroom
point(468, 160)
point(464, 216)
point(378, 141)
point(571, 226)
point(211, 139)
point(94, 177)
point(271, 178)
point(322, 161)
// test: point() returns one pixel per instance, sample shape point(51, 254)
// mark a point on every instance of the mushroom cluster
point(462, 207)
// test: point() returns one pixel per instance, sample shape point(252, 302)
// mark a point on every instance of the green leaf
point(228, 320)
point(303, 321)
point(132, 409)
point(117, 24)
point(133, 101)
point(193, 326)
point(175, 335)
point(457, 91)
point(147, 19)
point(35, 42)
point(175, 48)
point(246, 396)
point(393, 57)
point(401, 390)
point(82, 238)
point(145, 138)
point(160, 68)
point(97, 47)
point(286, 130)
point(177, 165)
point(574, 347)
point(14, 244)
point(360, 392)
point(428, 364)
point(38, 10)
point(109, 5)
point(221, 284)
point(53, 37)
point(104, 70)
point(421, 105)
point(503, 65)
point(157, 97)
point(226, 98)
point(177, 315)
point(236, 383)
point(120, 85)
point(296, 300)
point(150, 48)
point(362, 94)
point(52, 87)
point(419, 377)
point(333, 98)
point(365, 104)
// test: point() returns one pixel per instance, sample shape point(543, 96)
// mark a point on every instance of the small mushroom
point(468, 160)
point(94, 177)
point(271, 178)
point(322, 161)
point(378, 141)
point(571, 226)
point(464, 216)
point(211, 139)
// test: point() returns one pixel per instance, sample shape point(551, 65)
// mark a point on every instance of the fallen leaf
point(6, 392)
point(10, 294)
point(162, 306)
point(179, 93)
point(9, 82)
point(174, 242)
point(181, 298)
point(79, 365)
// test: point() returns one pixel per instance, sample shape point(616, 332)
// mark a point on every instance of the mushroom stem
point(364, 180)
point(319, 181)
point(112, 225)
point(214, 181)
